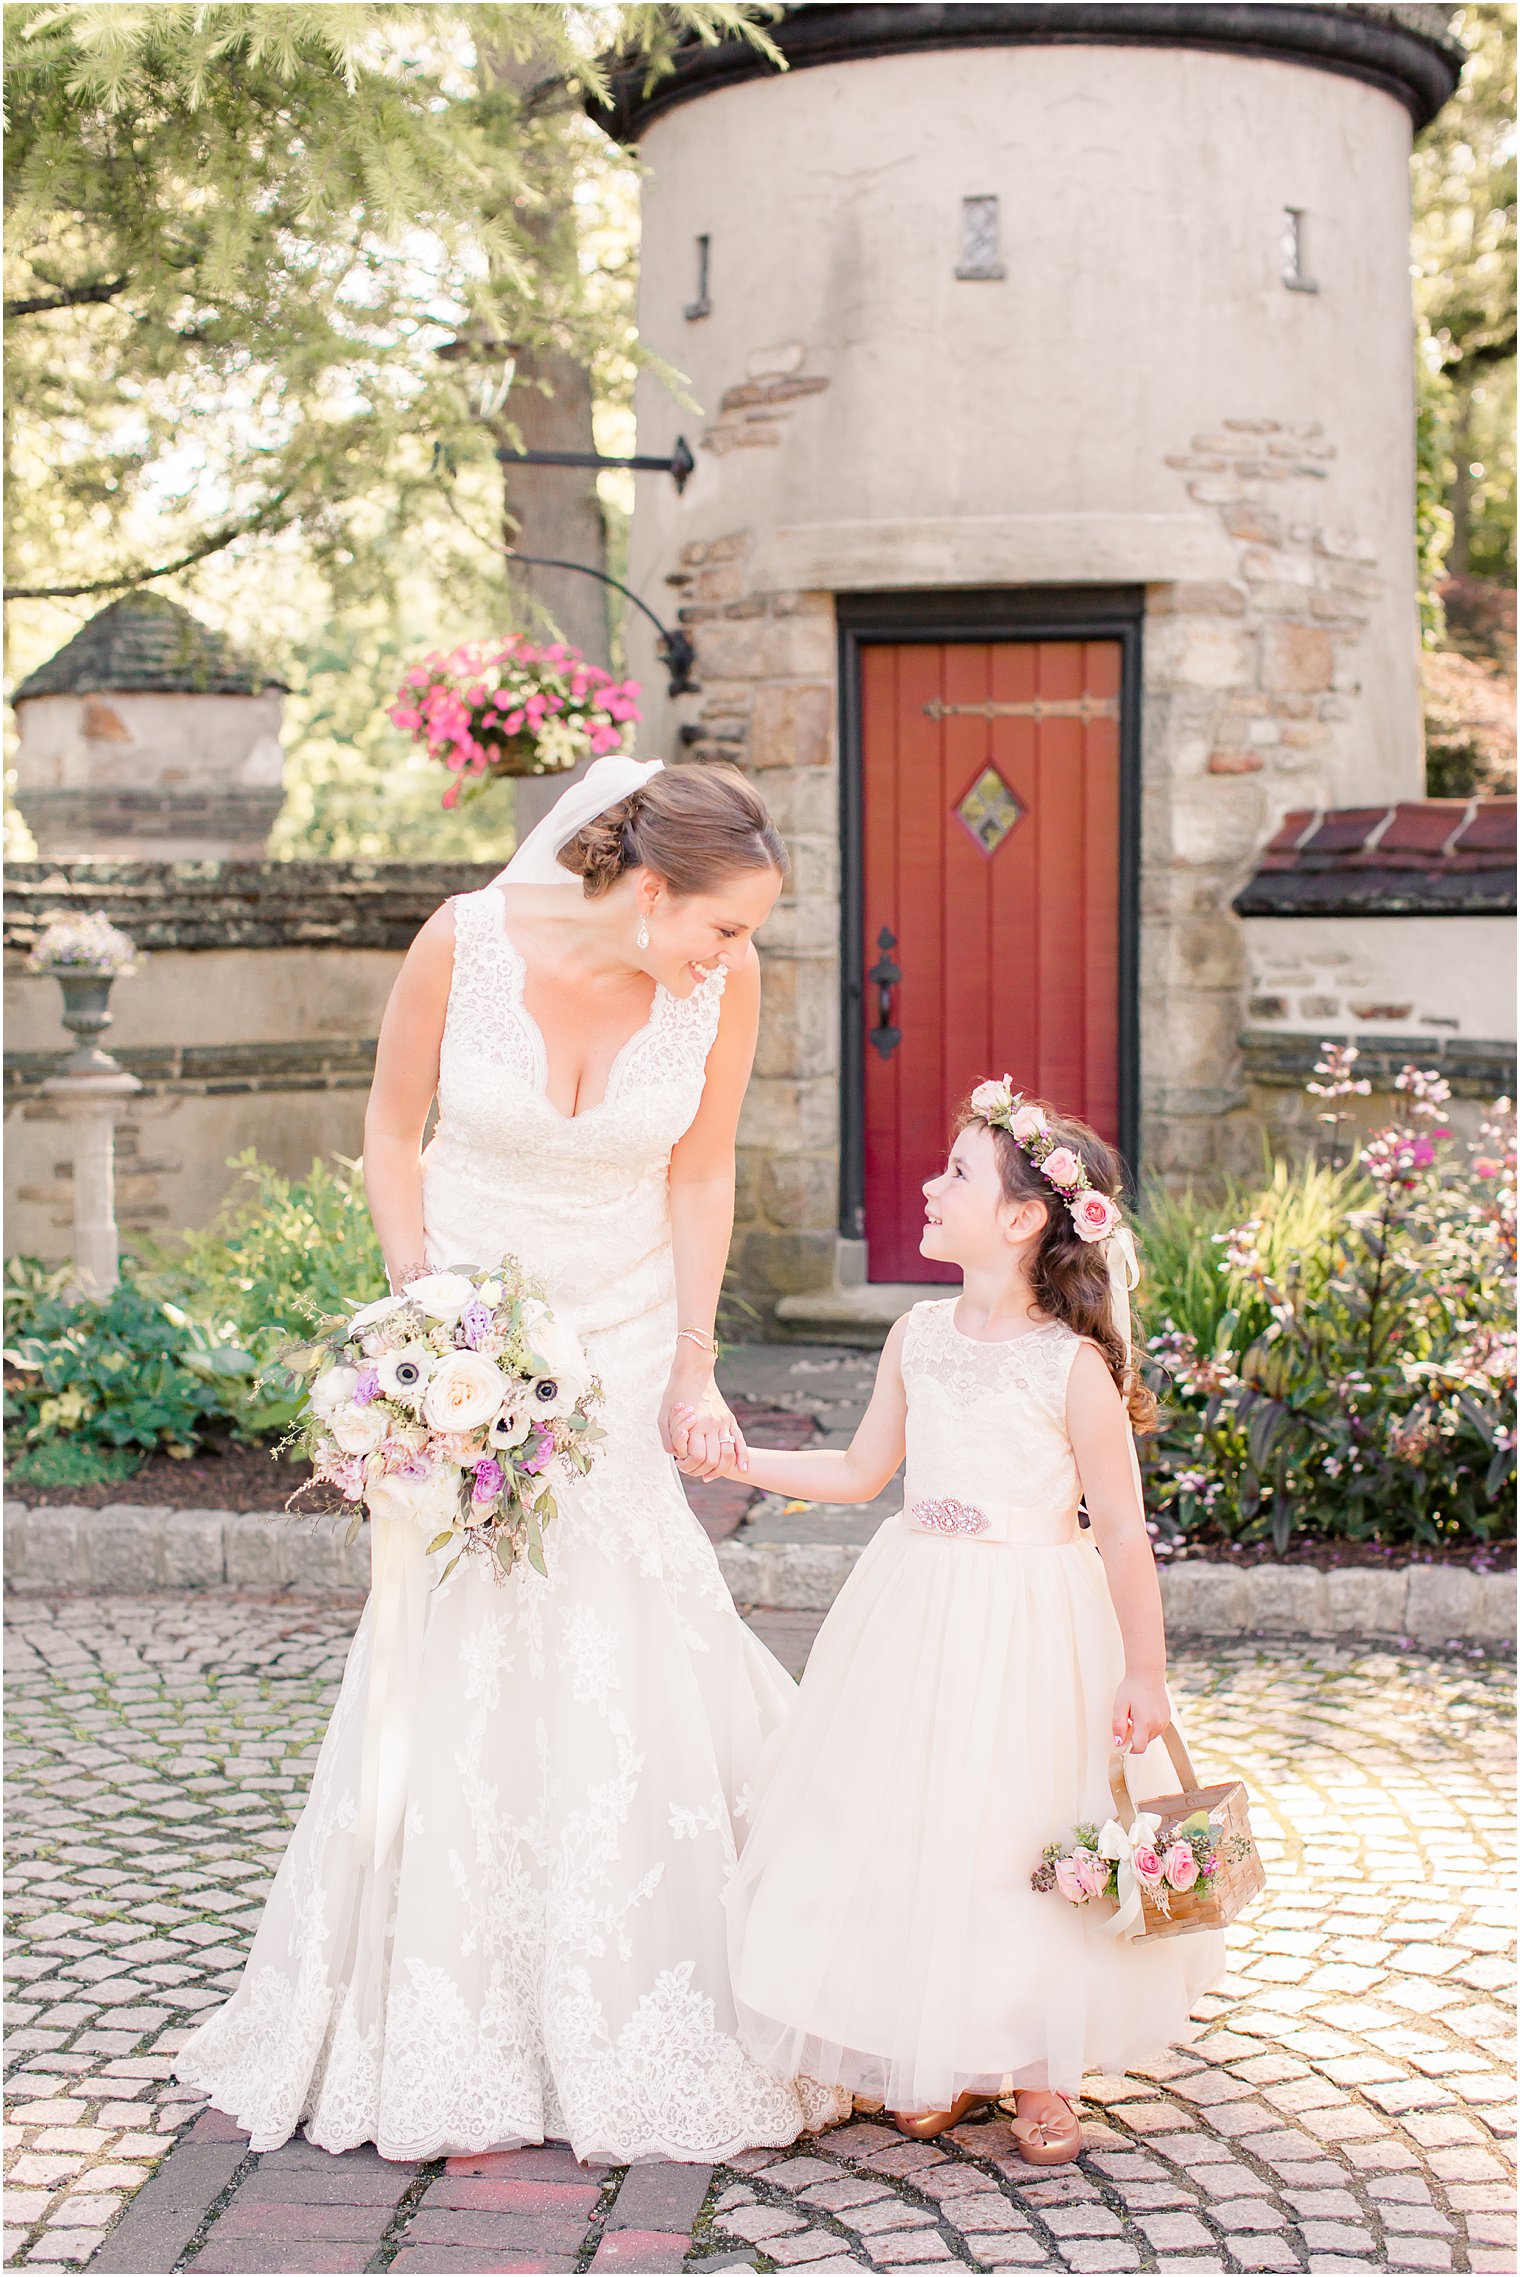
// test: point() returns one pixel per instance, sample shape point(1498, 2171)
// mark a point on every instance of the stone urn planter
point(86, 1014)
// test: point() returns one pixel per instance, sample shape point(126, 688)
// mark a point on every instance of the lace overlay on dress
point(545, 1953)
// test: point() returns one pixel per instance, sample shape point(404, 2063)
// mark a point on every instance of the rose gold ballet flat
point(1047, 2141)
point(923, 2126)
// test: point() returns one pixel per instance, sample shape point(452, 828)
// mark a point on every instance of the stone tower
point(1057, 369)
point(148, 738)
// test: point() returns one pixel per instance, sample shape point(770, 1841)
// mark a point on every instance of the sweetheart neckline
point(541, 1043)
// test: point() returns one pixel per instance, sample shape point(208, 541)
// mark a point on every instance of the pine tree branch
point(73, 296)
point(267, 517)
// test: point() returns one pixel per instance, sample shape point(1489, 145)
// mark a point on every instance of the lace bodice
point(987, 1423)
point(583, 1200)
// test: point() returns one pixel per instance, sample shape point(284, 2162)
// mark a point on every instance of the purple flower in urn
point(537, 1451)
point(368, 1387)
point(488, 1477)
point(476, 1321)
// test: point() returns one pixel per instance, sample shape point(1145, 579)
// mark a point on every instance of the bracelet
point(706, 1343)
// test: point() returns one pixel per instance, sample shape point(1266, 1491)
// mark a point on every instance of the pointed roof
point(145, 644)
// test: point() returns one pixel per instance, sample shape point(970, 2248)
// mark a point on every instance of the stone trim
point(133, 1547)
point(1406, 53)
point(1474, 1067)
point(204, 1070)
point(242, 905)
point(95, 811)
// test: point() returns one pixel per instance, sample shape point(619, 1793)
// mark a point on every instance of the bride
point(531, 1942)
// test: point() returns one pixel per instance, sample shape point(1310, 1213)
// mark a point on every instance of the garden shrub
point(1346, 1368)
point(281, 1255)
point(131, 1371)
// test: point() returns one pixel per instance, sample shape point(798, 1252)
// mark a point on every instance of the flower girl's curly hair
point(1069, 1276)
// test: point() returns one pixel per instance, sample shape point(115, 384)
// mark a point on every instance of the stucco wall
point(1365, 976)
point(907, 427)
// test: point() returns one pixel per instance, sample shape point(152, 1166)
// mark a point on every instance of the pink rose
point(1027, 1123)
point(1092, 1872)
point(1062, 1168)
point(1093, 1215)
point(1149, 1871)
point(1069, 1882)
point(1181, 1866)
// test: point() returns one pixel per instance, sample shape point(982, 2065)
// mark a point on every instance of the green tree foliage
point(237, 237)
point(1464, 272)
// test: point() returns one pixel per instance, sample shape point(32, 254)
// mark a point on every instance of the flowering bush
point(1359, 1385)
point(511, 709)
point(82, 942)
point(454, 1405)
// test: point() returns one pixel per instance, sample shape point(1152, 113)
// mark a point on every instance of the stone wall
point(251, 1023)
point(766, 662)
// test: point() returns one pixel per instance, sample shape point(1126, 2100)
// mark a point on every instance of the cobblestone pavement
point(1346, 2107)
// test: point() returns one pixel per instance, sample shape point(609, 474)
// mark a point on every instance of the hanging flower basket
point(511, 709)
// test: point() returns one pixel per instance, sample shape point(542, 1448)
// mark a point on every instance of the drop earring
point(642, 936)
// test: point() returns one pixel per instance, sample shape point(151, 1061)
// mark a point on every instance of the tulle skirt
point(955, 1718)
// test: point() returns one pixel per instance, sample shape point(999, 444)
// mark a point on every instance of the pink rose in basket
point(1069, 1881)
point(1062, 1168)
point(1093, 1215)
point(1091, 1872)
point(1181, 1866)
point(1149, 1871)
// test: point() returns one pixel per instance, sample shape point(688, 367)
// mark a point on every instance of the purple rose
point(488, 1478)
point(477, 1321)
point(537, 1451)
point(368, 1386)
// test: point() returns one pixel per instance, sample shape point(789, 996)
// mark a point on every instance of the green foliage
point(130, 1371)
point(1350, 1373)
point(282, 1254)
point(237, 239)
point(1463, 250)
point(71, 1462)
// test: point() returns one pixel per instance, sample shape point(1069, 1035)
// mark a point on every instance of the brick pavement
point(1347, 2106)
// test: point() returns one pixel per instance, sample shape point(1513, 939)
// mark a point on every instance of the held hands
point(696, 1423)
point(1141, 1712)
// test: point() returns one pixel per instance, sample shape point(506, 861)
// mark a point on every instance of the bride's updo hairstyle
point(1069, 1276)
point(692, 825)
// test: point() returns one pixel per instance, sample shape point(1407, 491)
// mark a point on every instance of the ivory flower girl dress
point(955, 1717)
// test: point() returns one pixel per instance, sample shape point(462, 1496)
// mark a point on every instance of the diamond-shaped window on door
point(989, 810)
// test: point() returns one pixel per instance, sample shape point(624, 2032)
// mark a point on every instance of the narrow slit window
point(1295, 273)
point(981, 251)
point(702, 305)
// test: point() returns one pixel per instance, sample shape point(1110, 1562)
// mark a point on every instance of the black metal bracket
point(679, 466)
point(676, 651)
point(884, 976)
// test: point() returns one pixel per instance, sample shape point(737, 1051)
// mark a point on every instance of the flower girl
point(964, 1694)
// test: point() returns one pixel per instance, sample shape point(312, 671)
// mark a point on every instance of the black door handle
point(884, 976)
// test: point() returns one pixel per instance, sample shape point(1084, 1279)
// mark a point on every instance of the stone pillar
point(92, 1103)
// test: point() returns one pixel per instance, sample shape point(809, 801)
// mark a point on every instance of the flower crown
point(1093, 1214)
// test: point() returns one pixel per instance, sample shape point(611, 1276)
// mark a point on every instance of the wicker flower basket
point(1239, 1878)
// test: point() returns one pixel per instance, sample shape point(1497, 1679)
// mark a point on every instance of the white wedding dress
point(544, 1952)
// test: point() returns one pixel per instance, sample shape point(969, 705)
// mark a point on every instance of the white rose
point(562, 1360)
point(443, 1296)
point(379, 1310)
point(431, 1502)
point(464, 1391)
point(404, 1373)
point(333, 1389)
point(358, 1430)
point(490, 1293)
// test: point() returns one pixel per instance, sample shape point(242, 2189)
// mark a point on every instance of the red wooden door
point(991, 885)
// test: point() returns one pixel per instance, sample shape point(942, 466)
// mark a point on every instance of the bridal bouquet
point(456, 1405)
